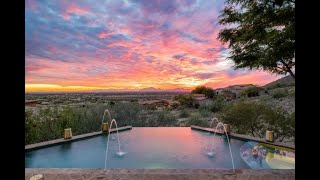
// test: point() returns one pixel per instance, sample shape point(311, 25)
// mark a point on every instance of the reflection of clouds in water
point(255, 162)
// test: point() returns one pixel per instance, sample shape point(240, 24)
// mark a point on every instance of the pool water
point(146, 147)
point(272, 157)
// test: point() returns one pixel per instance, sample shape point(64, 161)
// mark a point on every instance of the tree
point(208, 92)
point(199, 90)
point(244, 117)
point(261, 34)
point(256, 118)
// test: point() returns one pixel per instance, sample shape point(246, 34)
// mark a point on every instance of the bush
point(197, 121)
point(89, 118)
point(251, 91)
point(279, 93)
point(127, 114)
point(219, 98)
point(184, 113)
point(162, 118)
point(216, 106)
point(167, 120)
point(292, 93)
point(205, 113)
point(185, 100)
point(30, 128)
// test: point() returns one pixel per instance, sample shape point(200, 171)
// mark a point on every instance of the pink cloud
point(75, 9)
point(103, 35)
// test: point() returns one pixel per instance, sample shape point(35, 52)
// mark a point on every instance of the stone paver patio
point(157, 174)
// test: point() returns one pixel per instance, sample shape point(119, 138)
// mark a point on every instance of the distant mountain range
point(148, 90)
point(152, 89)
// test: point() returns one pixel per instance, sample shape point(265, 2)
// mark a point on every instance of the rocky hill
point(282, 82)
point(281, 93)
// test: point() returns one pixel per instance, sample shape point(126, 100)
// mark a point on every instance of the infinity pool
point(146, 147)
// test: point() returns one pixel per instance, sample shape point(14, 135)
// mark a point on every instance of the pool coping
point(100, 173)
point(244, 137)
point(31, 147)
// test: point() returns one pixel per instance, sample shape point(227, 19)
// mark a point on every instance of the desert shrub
point(30, 127)
point(216, 106)
point(205, 106)
point(127, 114)
point(65, 117)
point(184, 113)
point(197, 121)
point(51, 122)
point(205, 113)
point(134, 100)
point(185, 100)
point(278, 85)
point(88, 119)
point(219, 98)
point(265, 98)
point(251, 91)
point(254, 118)
point(292, 125)
point(196, 105)
point(162, 118)
point(292, 93)
point(279, 93)
point(242, 98)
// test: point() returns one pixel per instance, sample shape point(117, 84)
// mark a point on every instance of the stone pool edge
point(99, 173)
point(54, 142)
point(245, 137)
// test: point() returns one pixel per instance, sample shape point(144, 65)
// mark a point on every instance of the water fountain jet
point(213, 119)
point(119, 153)
point(212, 153)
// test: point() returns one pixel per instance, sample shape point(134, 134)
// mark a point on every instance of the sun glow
point(53, 87)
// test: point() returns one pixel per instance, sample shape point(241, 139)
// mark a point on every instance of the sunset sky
point(128, 44)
